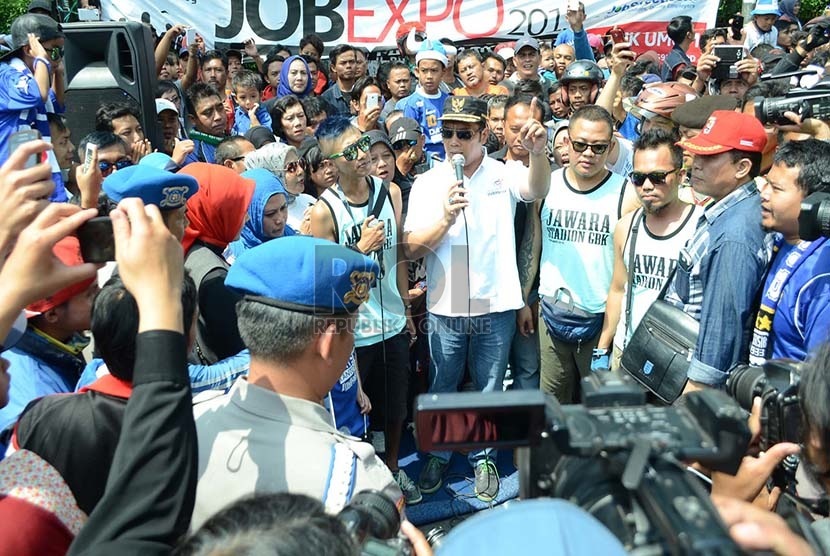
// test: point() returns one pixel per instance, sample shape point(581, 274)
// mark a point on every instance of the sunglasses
point(462, 134)
point(597, 148)
point(403, 144)
point(108, 168)
point(56, 53)
point(350, 152)
point(656, 178)
point(293, 167)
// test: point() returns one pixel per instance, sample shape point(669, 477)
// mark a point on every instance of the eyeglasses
point(350, 152)
point(108, 168)
point(293, 167)
point(403, 144)
point(56, 53)
point(462, 134)
point(656, 178)
point(597, 148)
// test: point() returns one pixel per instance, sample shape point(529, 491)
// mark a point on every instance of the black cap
point(464, 109)
point(44, 5)
point(695, 113)
point(259, 135)
point(44, 28)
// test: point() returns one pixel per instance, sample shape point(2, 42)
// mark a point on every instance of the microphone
point(458, 162)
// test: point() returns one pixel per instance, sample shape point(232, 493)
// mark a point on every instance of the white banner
point(372, 23)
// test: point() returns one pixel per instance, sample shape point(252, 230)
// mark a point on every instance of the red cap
point(68, 250)
point(727, 130)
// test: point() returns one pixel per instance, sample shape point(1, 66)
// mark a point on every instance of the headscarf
point(786, 8)
point(272, 157)
point(267, 185)
point(284, 89)
point(217, 211)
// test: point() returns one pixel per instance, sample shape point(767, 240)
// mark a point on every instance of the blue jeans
point(481, 343)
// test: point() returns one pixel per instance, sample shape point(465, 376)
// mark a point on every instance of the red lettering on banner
point(397, 16)
point(456, 18)
point(425, 17)
point(354, 13)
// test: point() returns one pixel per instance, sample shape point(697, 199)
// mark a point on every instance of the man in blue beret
point(270, 432)
point(168, 191)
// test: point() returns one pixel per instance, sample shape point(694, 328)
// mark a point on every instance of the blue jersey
point(427, 111)
point(342, 402)
point(242, 122)
point(802, 318)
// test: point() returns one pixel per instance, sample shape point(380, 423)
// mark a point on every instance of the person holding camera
point(794, 313)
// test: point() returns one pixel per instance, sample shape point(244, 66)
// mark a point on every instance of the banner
point(374, 23)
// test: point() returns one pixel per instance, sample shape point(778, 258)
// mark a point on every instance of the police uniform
point(254, 440)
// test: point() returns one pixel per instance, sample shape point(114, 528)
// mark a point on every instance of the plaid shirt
point(718, 274)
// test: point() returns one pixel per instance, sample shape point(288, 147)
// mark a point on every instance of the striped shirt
point(718, 274)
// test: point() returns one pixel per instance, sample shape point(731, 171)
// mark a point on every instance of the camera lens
point(370, 514)
point(744, 383)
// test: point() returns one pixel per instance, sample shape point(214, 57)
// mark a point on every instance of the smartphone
point(24, 136)
point(617, 35)
point(88, 154)
point(96, 239)
point(573, 5)
point(372, 101)
point(190, 36)
point(729, 55)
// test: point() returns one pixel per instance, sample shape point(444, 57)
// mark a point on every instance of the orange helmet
point(660, 99)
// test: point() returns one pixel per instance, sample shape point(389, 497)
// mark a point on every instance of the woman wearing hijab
point(284, 162)
point(295, 78)
point(267, 214)
point(216, 213)
point(789, 11)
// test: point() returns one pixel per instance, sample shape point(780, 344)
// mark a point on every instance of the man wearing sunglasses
point(364, 213)
point(578, 218)
point(663, 225)
point(464, 229)
point(26, 85)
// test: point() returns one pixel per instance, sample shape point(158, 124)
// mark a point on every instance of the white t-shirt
point(493, 276)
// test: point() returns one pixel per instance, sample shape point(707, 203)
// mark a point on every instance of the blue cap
point(766, 7)
point(160, 161)
point(152, 185)
point(315, 275)
point(537, 526)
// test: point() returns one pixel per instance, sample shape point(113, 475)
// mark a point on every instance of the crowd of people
point(311, 244)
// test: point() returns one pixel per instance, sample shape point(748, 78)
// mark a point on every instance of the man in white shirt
point(473, 287)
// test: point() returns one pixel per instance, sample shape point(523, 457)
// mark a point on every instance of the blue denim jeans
point(481, 343)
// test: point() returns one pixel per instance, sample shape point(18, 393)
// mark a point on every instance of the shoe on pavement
point(411, 492)
point(487, 480)
point(432, 475)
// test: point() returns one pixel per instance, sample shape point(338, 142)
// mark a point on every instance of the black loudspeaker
point(109, 61)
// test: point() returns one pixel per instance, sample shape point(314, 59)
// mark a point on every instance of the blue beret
point(153, 186)
point(304, 274)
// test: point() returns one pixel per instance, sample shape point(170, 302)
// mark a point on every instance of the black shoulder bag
point(661, 348)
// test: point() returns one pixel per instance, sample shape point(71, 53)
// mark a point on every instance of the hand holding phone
point(617, 35)
point(190, 36)
point(372, 101)
point(24, 136)
point(573, 5)
point(89, 156)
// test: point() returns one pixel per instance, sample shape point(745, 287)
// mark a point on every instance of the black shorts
point(386, 385)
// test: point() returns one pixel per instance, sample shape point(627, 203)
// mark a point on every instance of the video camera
point(814, 218)
point(807, 103)
point(613, 455)
point(776, 383)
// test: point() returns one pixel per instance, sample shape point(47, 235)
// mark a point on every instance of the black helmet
point(582, 70)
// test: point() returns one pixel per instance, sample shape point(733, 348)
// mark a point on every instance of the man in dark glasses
point(578, 220)
point(663, 226)
point(110, 155)
point(362, 212)
point(464, 229)
point(27, 73)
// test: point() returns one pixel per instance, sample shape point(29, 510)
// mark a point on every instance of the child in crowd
point(548, 64)
point(247, 94)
